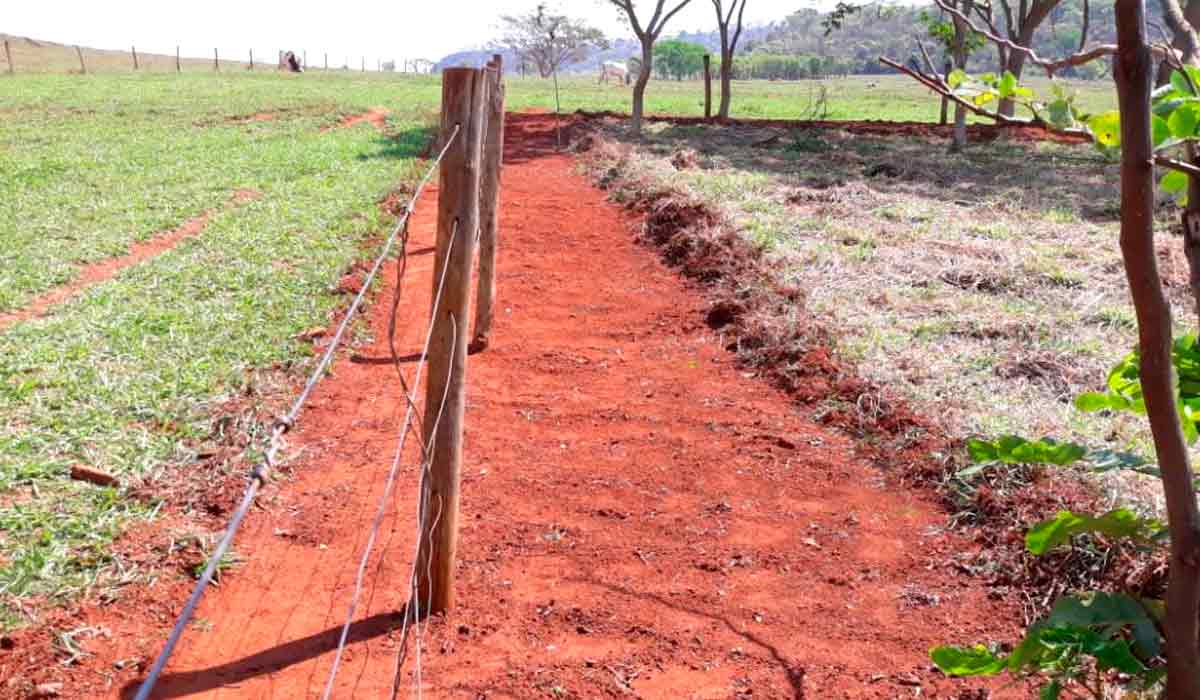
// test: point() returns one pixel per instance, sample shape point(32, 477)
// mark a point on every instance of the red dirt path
point(105, 270)
point(640, 518)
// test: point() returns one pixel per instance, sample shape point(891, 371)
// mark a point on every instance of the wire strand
point(391, 479)
point(261, 472)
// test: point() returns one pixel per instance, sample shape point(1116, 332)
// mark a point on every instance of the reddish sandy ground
point(640, 517)
point(104, 270)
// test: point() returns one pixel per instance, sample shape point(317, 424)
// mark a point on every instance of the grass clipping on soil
point(767, 326)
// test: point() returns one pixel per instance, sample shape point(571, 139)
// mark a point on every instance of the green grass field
point(131, 376)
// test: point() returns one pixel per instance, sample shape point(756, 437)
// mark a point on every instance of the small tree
point(548, 40)
point(729, 42)
point(647, 34)
point(679, 59)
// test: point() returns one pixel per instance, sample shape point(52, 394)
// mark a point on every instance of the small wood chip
point(48, 690)
point(82, 472)
point(313, 333)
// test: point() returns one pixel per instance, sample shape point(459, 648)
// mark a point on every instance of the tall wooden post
point(707, 86)
point(178, 65)
point(326, 62)
point(82, 65)
point(304, 61)
point(8, 57)
point(216, 61)
point(133, 50)
point(463, 92)
point(489, 204)
point(251, 59)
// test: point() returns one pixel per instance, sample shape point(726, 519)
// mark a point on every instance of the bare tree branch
point(1179, 165)
point(1051, 67)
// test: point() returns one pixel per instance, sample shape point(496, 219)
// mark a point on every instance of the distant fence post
point(326, 62)
point(133, 50)
point(707, 86)
point(251, 59)
point(178, 65)
point(304, 61)
point(216, 61)
point(82, 65)
point(8, 57)
point(463, 90)
point(489, 204)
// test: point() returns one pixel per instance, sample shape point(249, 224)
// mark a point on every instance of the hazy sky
point(397, 29)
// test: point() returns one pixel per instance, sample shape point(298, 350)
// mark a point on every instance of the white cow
point(615, 70)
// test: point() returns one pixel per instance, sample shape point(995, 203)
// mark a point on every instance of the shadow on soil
point(173, 685)
point(793, 672)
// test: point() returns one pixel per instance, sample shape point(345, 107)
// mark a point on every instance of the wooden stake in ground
point(707, 86)
point(216, 61)
point(178, 65)
point(251, 59)
point(327, 62)
point(463, 92)
point(8, 56)
point(489, 205)
point(82, 65)
point(133, 50)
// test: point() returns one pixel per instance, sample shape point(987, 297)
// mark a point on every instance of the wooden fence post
point(82, 65)
point(489, 204)
point(133, 50)
point(251, 59)
point(707, 86)
point(178, 65)
point(364, 64)
point(304, 61)
point(326, 62)
point(8, 57)
point(216, 61)
point(463, 91)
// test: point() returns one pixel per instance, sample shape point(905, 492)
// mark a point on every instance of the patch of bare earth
point(104, 270)
point(376, 117)
point(764, 309)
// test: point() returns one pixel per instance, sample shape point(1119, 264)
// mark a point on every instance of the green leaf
point(1092, 401)
point(1106, 129)
point(1122, 523)
point(1173, 182)
point(1110, 614)
point(1180, 83)
point(1160, 130)
point(1051, 691)
point(1008, 83)
point(966, 661)
point(956, 78)
point(1182, 122)
point(983, 98)
point(1013, 449)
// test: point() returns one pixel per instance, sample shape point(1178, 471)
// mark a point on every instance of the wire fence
point(261, 472)
point(23, 56)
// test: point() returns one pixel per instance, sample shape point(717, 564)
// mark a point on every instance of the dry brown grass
point(987, 289)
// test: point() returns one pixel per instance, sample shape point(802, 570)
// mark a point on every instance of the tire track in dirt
point(640, 517)
point(104, 270)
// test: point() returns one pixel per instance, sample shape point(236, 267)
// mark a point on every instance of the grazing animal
point(615, 70)
point(290, 62)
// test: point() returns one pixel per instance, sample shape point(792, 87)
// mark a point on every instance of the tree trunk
point(1132, 72)
point(726, 87)
point(960, 61)
point(639, 86)
point(1016, 62)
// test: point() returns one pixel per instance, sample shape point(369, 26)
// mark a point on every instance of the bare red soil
point(640, 517)
point(376, 116)
point(105, 270)
point(977, 132)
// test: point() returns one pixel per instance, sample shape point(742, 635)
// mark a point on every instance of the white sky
point(401, 29)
